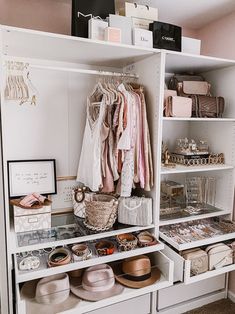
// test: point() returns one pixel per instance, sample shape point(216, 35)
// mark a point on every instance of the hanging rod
point(85, 71)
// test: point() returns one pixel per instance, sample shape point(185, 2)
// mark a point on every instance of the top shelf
point(25, 43)
point(48, 46)
point(177, 62)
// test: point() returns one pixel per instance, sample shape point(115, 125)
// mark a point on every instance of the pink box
point(113, 34)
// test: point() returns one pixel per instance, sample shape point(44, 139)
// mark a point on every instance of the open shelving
point(57, 63)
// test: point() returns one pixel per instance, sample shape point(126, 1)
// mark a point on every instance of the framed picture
point(28, 176)
point(62, 202)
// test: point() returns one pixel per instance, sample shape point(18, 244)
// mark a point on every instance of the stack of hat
point(97, 283)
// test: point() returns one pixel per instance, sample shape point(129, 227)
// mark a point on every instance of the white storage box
point(32, 219)
point(191, 45)
point(125, 24)
point(113, 35)
point(96, 29)
point(142, 38)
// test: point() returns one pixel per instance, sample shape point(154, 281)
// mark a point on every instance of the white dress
point(89, 169)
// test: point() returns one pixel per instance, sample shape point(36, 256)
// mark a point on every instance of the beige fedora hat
point(53, 289)
point(28, 294)
point(136, 272)
point(98, 282)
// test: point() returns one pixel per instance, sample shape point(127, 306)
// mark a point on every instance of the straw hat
point(136, 272)
point(98, 282)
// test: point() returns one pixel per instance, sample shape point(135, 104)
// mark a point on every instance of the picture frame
point(62, 202)
point(29, 176)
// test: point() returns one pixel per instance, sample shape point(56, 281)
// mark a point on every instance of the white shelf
point(191, 218)
point(164, 264)
point(199, 119)
point(178, 62)
point(188, 169)
point(26, 43)
point(14, 249)
point(43, 271)
point(198, 243)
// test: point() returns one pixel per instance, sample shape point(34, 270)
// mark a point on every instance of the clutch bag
point(219, 255)
point(199, 260)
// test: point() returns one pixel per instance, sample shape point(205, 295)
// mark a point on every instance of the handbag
point(136, 211)
point(219, 255)
point(100, 212)
point(179, 78)
point(207, 106)
point(177, 106)
point(199, 260)
point(79, 195)
point(187, 88)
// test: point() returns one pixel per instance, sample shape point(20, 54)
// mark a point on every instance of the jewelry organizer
point(63, 69)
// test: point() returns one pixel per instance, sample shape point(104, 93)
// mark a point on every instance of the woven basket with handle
point(100, 212)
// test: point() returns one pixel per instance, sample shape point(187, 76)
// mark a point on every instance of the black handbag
point(166, 36)
point(101, 8)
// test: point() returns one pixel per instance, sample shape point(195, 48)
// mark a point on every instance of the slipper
point(31, 201)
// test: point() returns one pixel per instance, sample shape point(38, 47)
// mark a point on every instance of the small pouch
point(199, 260)
point(219, 255)
point(180, 107)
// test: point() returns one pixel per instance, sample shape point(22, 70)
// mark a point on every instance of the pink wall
point(45, 15)
point(218, 37)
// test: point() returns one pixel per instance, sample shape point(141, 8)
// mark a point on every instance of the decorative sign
point(28, 176)
point(63, 201)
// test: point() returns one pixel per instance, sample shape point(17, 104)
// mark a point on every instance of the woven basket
point(101, 212)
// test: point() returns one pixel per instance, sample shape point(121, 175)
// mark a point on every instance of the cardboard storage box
point(32, 219)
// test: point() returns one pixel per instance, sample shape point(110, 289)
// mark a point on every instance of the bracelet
point(59, 257)
point(127, 241)
point(29, 263)
point(81, 252)
point(104, 248)
point(146, 239)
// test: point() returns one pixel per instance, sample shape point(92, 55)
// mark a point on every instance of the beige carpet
point(224, 306)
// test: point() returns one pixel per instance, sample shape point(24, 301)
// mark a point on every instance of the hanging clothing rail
point(86, 71)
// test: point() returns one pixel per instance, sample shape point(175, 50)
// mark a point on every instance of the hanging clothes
point(116, 152)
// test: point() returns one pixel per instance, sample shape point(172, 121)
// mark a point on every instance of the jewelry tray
point(183, 236)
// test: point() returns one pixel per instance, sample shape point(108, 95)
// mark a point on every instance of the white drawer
point(182, 268)
point(140, 305)
point(183, 293)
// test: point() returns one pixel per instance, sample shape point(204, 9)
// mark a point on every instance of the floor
point(224, 306)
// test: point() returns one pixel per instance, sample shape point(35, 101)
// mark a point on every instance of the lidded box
point(35, 178)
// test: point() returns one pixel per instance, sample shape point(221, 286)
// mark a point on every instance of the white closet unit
point(64, 70)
